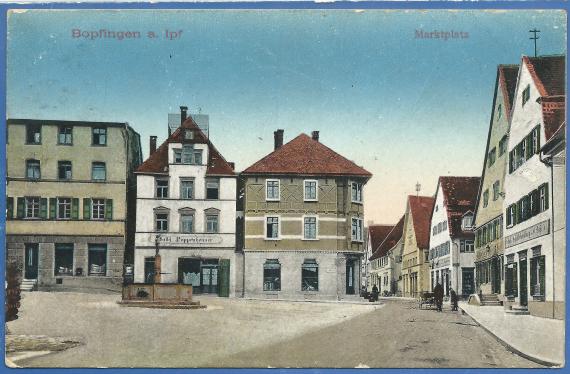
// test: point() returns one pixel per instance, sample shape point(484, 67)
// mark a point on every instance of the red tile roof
point(553, 114)
point(305, 156)
point(508, 75)
point(157, 163)
point(377, 234)
point(459, 196)
point(421, 208)
point(390, 241)
point(548, 73)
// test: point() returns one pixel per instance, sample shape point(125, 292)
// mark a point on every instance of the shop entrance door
point(31, 258)
point(496, 275)
point(209, 278)
point(468, 281)
point(349, 277)
point(522, 284)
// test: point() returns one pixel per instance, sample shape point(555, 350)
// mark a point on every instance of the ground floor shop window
point(468, 280)
point(511, 289)
point(310, 276)
point(271, 275)
point(97, 259)
point(149, 269)
point(189, 271)
point(63, 259)
point(537, 277)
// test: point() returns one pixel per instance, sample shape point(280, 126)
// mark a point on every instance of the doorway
point(496, 275)
point(522, 283)
point(350, 277)
point(31, 260)
point(149, 269)
point(467, 281)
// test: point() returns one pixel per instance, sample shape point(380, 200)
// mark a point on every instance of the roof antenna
point(535, 38)
point(418, 188)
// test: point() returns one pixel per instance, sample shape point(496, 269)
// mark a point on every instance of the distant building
point(387, 261)
point(415, 265)
point(304, 222)
point(375, 237)
point(70, 201)
point(534, 276)
point(488, 219)
point(186, 214)
point(202, 120)
point(451, 244)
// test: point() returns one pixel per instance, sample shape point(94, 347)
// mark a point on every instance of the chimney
point(278, 137)
point(315, 136)
point(232, 165)
point(183, 114)
point(152, 144)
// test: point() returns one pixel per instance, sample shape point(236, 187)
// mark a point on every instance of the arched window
point(310, 275)
point(271, 275)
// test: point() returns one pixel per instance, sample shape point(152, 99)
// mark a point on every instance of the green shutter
point(52, 208)
point(20, 207)
point(43, 208)
point(529, 149)
point(537, 129)
point(86, 208)
point(9, 208)
point(224, 278)
point(74, 208)
point(109, 209)
point(546, 196)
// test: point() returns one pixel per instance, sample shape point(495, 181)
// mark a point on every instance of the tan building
point(304, 221)
point(386, 262)
point(70, 189)
point(488, 218)
point(415, 264)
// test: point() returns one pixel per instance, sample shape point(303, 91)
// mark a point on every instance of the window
point(271, 275)
point(188, 155)
point(310, 228)
point(511, 289)
point(212, 189)
point(467, 222)
point(502, 145)
point(496, 190)
point(98, 171)
point(186, 189)
point(537, 286)
point(526, 95)
point(33, 169)
point(64, 170)
point(65, 135)
point(535, 139)
point(357, 229)
point(98, 209)
point(310, 190)
point(272, 228)
point(356, 192)
point(499, 111)
point(187, 223)
point(492, 156)
point(543, 197)
point(511, 215)
point(161, 221)
point(469, 247)
point(63, 208)
point(99, 136)
point(212, 222)
point(63, 259)
point(188, 134)
point(32, 207)
point(33, 134)
point(485, 198)
point(161, 188)
point(272, 189)
point(445, 225)
point(97, 259)
point(310, 275)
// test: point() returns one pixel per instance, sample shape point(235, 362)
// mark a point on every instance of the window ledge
point(310, 240)
point(273, 200)
point(272, 239)
point(357, 202)
point(311, 200)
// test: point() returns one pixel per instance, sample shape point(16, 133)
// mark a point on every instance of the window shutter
point(515, 283)
point(546, 196)
point(20, 207)
point(529, 150)
point(52, 207)
point(74, 208)
point(533, 264)
point(86, 208)
point(511, 161)
point(10, 208)
point(541, 274)
point(537, 129)
point(43, 208)
point(109, 209)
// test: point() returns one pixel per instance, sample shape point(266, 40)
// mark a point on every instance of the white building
point(386, 262)
point(375, 236)
point(531, 264)
point(186, 214)
point(452, 249)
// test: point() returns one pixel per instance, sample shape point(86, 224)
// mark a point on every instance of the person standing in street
point(438, 296)
point(454, 300)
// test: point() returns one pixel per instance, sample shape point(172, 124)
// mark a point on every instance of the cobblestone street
point(250, 333)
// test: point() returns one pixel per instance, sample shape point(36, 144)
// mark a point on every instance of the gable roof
point(390, 240)
point(459, 196)
point(421, 208)
point(157, 163)
point(377, 234)
point(548, 73)
point(305, 156)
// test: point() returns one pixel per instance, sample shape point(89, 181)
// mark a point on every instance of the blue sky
point(406, 109)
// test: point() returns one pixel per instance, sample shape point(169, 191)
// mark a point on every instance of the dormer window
point(188, 134)
point(188, 155)
point(467, 222)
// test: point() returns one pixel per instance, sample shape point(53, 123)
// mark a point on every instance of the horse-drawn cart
point(427, 298)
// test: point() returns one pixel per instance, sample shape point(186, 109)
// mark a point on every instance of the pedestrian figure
point(438, 296)
point(453, 300)
point(375, 293)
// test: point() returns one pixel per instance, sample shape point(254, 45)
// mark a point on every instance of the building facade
point(375, 236)
point(70, 190)
point(304, 222)
point(452, 249)
point(186, 214)
point(531, 264)
point(489, 207)
point(415, 265)
point(387, 262)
